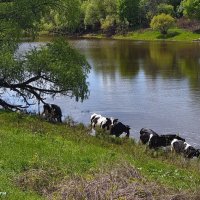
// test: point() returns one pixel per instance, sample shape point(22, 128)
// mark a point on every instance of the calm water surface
point(143, 84)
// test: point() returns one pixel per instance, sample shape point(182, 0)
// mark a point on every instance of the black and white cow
point(157, 141)
point(184, 148)
point(102, 122)
point(146, 134)
point(154, 140)
point(118, 128)
point(52, 112)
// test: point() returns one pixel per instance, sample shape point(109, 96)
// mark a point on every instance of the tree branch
point(8, 106)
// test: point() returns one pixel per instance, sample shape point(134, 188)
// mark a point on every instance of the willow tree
point(55, 68)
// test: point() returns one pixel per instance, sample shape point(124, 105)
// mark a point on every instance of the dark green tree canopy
point(129, 10)
point(55, 68)
point(192, 8)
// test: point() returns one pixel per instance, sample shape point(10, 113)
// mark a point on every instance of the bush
point(162, 23)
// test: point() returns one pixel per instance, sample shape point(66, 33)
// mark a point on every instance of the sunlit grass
point(174, 34)
point(41, 154)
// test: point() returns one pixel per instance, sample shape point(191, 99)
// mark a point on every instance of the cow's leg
point(59, 119)
point(107, 127)
point(93, 125)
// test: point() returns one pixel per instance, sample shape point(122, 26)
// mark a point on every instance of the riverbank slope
point(44, 160)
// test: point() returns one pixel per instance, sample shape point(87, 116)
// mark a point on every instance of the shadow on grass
point(169, 35)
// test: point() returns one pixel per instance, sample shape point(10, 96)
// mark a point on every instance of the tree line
point(118, 16)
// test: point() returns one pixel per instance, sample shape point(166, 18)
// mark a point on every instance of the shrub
point(162, 23)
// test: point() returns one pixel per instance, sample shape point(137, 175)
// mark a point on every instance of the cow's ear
point(128, 127)
point(107, 118)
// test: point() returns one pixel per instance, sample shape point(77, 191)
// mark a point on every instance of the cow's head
point(197, 153)
point(108, 121)
point(113, 121)
point(192, 152)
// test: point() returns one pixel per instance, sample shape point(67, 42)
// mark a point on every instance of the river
point(144, 84)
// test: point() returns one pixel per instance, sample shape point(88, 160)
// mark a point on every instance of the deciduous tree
point(162, 23)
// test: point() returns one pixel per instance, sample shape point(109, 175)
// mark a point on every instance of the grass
point(174, 34)
point(38, 157)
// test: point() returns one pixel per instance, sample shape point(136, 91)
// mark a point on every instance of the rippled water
point(143, 84)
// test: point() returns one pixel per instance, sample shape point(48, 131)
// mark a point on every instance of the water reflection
point(169, 60)
point(144, 84)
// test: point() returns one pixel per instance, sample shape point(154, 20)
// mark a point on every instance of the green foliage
point(129, 10)
point(60, 63)
point(92, 11)
point(166, 8)
point(104, 14)
point(66, 16)
point(148, 9)
point(113, 25)
point(174, 3)
point(96, 11)
point(191, 8)
point(109, 23)
point(162, 23)
point(110, 7)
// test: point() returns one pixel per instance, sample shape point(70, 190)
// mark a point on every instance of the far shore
point(174, 34)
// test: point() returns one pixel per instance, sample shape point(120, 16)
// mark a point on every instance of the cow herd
point(148, 137)
point(177, 144)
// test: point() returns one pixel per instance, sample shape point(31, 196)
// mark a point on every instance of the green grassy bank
point(41, 160)
point(174, 34)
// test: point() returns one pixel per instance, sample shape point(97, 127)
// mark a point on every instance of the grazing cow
point(52, 112)
point(118, 128)
point(103, 122)
point(184, 148)
point(157, 141)
point(146, 134)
